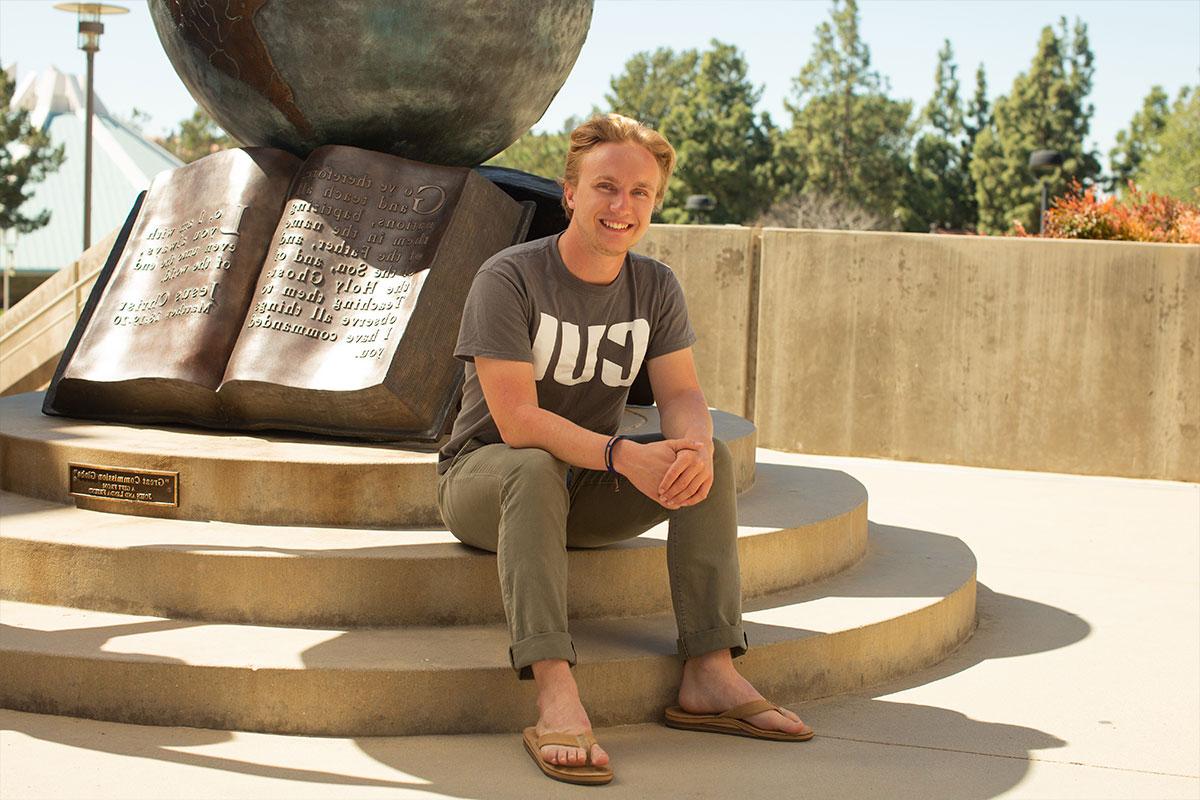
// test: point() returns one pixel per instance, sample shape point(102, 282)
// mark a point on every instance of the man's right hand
point(645, 464)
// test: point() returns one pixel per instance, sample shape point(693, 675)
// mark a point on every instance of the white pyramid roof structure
point(124, 162)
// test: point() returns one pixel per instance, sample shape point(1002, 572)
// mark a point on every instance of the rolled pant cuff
point(540, 647)
point(730, 637)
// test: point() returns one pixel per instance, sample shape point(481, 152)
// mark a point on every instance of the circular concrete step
point(258, 479)
point(796, 525)
point(906, 605)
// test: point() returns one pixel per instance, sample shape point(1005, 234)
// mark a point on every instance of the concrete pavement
point(1082, 681)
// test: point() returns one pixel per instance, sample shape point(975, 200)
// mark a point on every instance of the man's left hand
point(687, 481)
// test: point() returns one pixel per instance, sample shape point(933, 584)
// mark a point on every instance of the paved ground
point(1082, 681)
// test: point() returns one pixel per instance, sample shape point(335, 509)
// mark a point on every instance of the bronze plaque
point(145, 486)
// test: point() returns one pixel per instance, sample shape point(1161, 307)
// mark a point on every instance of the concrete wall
point(1014, 353)
point(717, 266)
point(1020, 354)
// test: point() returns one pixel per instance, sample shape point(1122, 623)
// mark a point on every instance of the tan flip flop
point(588, 774)
point(734, 722)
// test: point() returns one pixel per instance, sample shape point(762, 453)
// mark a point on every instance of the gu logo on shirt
point(634, 336)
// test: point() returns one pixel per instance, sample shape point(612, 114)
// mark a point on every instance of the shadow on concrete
point(865, 746)
point(660, 762)
point(158, 743)
point(983, 759)
point(134, 740)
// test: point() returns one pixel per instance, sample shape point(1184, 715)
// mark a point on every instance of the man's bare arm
point(685, 416)
point(511, 395)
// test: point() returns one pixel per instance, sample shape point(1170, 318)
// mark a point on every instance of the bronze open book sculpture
point(254, 290)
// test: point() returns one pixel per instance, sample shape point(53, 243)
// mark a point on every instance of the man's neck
point(585, 263)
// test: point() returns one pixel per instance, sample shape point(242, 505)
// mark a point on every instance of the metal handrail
point(74, 287)
point(16, 350)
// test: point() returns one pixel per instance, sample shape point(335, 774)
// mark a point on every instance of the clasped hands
point(674, 472)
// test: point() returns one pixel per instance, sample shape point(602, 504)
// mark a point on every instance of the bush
point(1138, 217)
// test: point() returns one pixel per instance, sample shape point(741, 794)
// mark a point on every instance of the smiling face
point(612, 202)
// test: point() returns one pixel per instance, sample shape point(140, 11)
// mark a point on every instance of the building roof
point(124, 162)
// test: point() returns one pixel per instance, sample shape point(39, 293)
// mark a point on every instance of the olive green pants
point(528, 507)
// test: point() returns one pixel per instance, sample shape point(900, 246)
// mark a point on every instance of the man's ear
point(569, 195)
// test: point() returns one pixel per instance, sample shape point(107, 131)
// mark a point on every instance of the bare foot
point(712, 685)
point(561, 712)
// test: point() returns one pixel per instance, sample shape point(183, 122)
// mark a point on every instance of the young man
point(554, 332)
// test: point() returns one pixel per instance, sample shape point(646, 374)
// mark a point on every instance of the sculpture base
point(267, 480)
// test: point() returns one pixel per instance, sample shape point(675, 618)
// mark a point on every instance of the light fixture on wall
point(1041, 164)
point(700, 206)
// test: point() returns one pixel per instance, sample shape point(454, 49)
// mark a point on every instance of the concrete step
point(906, 605)
point(258, 479)
point(796, 525)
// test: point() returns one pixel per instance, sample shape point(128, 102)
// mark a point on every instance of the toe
point(563, 756)
point(799, 726)
point(599, 757)
point(778, 721)
point(793, 724)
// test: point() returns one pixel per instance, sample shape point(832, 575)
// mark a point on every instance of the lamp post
point(1042, 163)
point(8, 243)
point(90, 28)
point(701, 205)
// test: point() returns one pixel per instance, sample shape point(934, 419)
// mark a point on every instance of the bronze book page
point(352, 325)
point(173, 308)
point(349, 257)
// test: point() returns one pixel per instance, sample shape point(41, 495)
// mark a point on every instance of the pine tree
point(1046, 109)
point(723, 148)
point(978, 113)
point(848, 137)
point(652, 84)
point(1140, 141)
point(939, 192)
point(703, 103)
point(1174, 169)
point(26, 158)
point(977, 117)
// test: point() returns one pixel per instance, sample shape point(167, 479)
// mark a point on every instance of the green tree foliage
point(979, 112)
point(939, 191)
point(1045, 109)
point(848, 138)
point(196, 137)
point(653, 84)
point(978, 116)
point(1174, 168)
point(26, 158)
point(724, 149)
point(703, 103)
point(542, 154)
point(1140, 141)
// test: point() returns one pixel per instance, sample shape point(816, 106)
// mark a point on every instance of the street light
point(8, 243)
point(701, 205)
point(90, 28)
point(1042, 163)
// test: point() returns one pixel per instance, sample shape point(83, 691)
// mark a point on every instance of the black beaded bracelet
point(608, 454)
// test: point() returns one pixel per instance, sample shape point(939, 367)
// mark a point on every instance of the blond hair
point(614, 128)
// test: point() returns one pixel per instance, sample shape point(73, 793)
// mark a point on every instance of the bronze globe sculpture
point(442, 81)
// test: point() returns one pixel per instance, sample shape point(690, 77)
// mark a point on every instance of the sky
point(1137, 44)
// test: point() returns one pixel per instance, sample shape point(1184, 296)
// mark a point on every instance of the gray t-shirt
point(586, 342)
